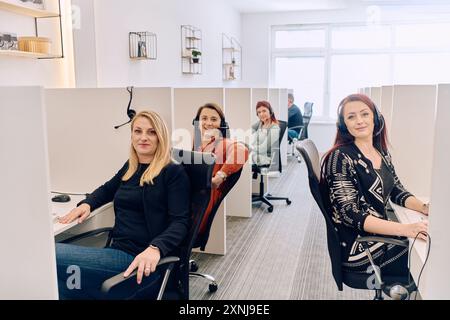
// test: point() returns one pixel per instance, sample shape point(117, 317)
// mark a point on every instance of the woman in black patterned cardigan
point(361, 179)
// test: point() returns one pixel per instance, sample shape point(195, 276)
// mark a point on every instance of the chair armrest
point(398, 242)
point(110, 283)
point(295, 127)
point(86, 235)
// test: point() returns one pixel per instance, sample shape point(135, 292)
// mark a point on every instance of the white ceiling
point(252, 6)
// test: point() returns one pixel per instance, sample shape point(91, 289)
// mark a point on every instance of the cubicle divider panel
point(375, 95)
point(437, 275)
point(185, 105)
point(412, 135)
point(84, 148)
point(28, 268)
point(386, 106)
point(238, 113)
point(258, 94)
point(283, 112)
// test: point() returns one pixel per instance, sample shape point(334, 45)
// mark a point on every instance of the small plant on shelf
point(195, 54)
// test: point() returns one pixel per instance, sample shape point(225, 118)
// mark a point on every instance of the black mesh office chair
point(354, 280)
point(303, 132)
point(202, 237)
point(264, 170)
point(175, 285)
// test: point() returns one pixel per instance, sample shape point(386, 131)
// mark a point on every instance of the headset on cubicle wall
point(130, 112)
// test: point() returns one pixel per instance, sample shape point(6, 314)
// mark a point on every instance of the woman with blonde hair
point(151, 203)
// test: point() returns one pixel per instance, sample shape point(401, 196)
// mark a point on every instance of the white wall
point(115, 18)
point(16, 71)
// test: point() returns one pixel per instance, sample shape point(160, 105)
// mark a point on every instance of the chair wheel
point(194, 266)
point(288, 202)
point(213, 287)
point(270, 209)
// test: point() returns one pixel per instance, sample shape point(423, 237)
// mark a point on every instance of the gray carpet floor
point(280, 255)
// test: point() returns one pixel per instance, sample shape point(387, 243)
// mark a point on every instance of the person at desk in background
point(295, 118)
point(359, 177)
point(211, 135)
point(266, 133)
point(151, 196)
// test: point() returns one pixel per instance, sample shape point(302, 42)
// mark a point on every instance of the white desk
point(62, 208)
point(419, 251)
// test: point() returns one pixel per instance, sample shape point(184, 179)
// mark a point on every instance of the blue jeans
point(82, 270)
point(292, 134)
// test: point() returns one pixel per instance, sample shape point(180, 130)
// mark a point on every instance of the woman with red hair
point(360, 178)
point(266, 133)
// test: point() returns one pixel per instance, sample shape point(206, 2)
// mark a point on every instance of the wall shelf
point(37, 14)
point(25, 54)
point(22, 10)
point(191, 40)
point(231, 58)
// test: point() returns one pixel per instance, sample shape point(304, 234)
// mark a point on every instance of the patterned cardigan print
point(356, 191)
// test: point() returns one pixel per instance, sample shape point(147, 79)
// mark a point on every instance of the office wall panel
point(412, 135)
point(28, 265)
point(386, 106)
point(84, 148)
point(238, 113)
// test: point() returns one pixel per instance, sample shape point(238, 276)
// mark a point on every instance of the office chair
point(202, 238)
point(175, 285)
point(352, 279)
point(303, 133)
point(266, 170)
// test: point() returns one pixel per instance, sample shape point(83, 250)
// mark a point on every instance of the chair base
point(212, 286)
point(265, 197)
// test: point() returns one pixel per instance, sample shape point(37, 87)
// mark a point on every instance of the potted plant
point(195, 54)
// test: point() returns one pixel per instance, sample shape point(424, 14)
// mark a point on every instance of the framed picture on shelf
point(34, 4)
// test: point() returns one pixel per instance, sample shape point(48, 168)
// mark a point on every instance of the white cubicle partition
point(258, 94)
point(238, 113)
point(185, 105)
point(412, 133)
point(84, 148)
point(375, 95)
point(437, 275)
point(386, 107)
point(367, 92)
point(28, 267)
point(278, 101)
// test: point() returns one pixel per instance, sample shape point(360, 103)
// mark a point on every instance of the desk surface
point(62, 208)
point(419, 251)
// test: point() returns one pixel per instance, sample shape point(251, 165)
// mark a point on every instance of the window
point(305, 76)
point(373, 37)
point(350, 72)
point(299, 39)
point(323, 64)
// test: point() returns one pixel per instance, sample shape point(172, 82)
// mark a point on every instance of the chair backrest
point(199, 168)
point(225, 187)
point(311, 156)
point(278, 165)
point(307, 114)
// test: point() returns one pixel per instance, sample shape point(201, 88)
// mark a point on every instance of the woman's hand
point(145, 262)
point(81, 213)
point(216, 181)
point(412, 229)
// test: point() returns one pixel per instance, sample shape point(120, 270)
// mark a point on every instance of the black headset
point(130, 112)
point(267, 107)
point(378, 120)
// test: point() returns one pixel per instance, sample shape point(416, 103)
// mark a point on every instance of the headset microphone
point(130, 112)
